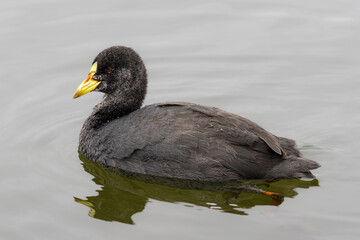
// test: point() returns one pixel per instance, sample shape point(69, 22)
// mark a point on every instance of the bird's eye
point(109, 69)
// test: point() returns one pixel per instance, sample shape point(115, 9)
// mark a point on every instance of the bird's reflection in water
point(123, 194)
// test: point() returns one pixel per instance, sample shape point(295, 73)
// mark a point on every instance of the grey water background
point(291, 66)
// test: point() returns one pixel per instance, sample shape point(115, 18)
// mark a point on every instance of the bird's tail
point(293, 167)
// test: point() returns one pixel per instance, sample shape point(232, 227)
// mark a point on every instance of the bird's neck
point(113, 107)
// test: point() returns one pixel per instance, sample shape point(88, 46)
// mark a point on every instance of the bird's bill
point(89, 84)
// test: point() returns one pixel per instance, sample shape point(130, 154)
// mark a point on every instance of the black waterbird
point(176, 139)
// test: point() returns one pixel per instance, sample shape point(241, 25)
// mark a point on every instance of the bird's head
point(115, 70)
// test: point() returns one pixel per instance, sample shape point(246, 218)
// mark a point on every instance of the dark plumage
point(178, 140)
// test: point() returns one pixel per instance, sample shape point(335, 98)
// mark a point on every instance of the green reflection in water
point(123, 194)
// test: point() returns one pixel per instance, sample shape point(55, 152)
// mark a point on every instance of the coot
point(176, 139)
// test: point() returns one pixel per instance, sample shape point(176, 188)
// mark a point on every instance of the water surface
point(291, 66)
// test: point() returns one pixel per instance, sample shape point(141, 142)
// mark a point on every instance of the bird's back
point(189, 141)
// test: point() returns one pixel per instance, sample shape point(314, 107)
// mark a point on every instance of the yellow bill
point(88, 84)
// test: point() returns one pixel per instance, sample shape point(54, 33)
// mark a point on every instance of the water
point(290, 66)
